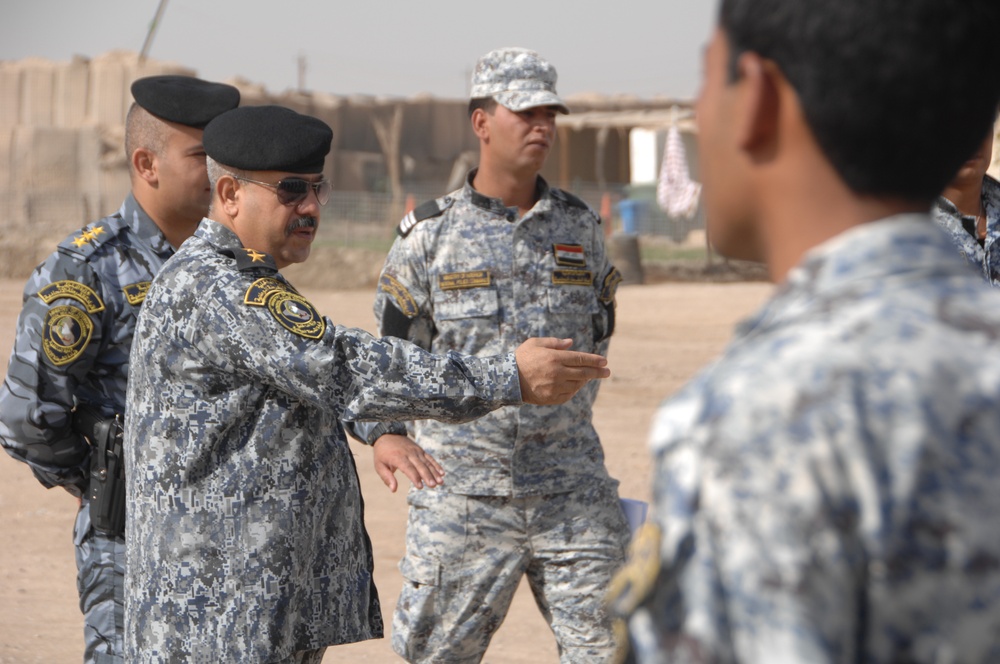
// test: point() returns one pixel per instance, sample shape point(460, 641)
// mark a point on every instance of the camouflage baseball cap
point(517, 78)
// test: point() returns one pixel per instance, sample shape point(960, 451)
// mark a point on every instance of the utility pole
point(302, 72)
point(152, 31)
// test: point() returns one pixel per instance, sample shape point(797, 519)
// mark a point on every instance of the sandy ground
point(665, 333)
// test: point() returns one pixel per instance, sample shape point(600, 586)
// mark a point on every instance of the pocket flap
point(423, 571)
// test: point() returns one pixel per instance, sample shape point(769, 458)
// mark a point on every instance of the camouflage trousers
point(304, 657)
point(465, 556)
point(100, 580)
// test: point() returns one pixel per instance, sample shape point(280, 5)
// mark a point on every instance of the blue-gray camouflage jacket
point(468, 275)
point(245, 520)
point(828, 490)
point(73, 339)
point(962, 230)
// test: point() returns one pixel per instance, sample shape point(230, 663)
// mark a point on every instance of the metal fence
point(350, 218)
point(370, 219)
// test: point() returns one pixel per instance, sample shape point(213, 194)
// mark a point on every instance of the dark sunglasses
point(292, 191)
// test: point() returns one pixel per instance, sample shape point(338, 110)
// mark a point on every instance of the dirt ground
point(665, 333)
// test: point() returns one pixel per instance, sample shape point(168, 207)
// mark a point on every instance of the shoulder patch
point(610, 286)
point(292, 311)
point(397, 291)
point(135, 294)
point(635, 580)
point(261, 289)
point(65, 334)
point(574, 201)
point(427, 210)
point(82, 293)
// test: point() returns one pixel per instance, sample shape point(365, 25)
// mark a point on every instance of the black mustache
point(301, 222)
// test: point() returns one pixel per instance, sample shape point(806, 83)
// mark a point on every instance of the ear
point(144, 166)
point(228, 193)
point(480, 124)
point(759, 102)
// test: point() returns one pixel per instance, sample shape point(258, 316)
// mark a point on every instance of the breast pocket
point(467, 321)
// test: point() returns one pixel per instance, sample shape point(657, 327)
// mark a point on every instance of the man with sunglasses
point(245, 519)
point(62, 400)
point(522, 492)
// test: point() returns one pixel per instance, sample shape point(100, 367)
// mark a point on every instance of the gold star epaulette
point(252, 260)
point(88, 239)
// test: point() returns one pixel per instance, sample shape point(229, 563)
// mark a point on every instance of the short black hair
point(488, 104)
point(897, 92)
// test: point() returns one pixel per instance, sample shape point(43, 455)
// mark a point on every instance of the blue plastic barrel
point(630, 210)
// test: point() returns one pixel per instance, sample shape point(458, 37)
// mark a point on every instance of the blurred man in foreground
point(826, 492)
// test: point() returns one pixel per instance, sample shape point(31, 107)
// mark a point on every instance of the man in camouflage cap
point(245, 518)
point(66, 381)
point(522, 491)
point(827, 491)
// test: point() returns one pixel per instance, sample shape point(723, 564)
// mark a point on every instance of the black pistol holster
point(106, 486)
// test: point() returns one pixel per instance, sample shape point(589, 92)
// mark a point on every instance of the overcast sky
point(640, 47)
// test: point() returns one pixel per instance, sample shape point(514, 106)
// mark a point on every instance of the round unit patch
point(66, 334)
point(296, 314)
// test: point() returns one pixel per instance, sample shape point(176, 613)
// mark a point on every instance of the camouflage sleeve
point(59, 331)
point(403, 293)
point(399, 312)
point(287, 344)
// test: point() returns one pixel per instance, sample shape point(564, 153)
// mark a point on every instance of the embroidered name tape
point(458, 280)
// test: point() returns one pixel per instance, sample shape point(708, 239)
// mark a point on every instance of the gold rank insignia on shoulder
point(135, 294)
point(82, 293)
point(459, 280)
point(397, 291)
point(88, 235)
point(290, 309)
point(569, 255)
point(572, 277)
point(66, 333)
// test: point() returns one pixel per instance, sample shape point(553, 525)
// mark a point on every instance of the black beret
point(184, 99)
point(268, 138)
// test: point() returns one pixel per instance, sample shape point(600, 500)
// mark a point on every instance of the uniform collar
point(860, 261)
point(496, 205)
point(143, 226)
point(219, 236)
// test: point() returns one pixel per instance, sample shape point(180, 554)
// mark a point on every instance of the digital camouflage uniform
point(526, 490)
point(827, 491)
point(962, 230)
point(72, 346)
point(245, 517)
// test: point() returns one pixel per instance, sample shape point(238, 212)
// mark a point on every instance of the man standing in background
point(522, 491)
point(64, 395)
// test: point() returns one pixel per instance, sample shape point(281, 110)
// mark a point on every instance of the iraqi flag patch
point(570, 255)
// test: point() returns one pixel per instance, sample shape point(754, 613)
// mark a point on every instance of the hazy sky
point(640, 47)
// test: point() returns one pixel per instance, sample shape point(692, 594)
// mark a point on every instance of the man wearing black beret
point(245, 518)
point(64, 395)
